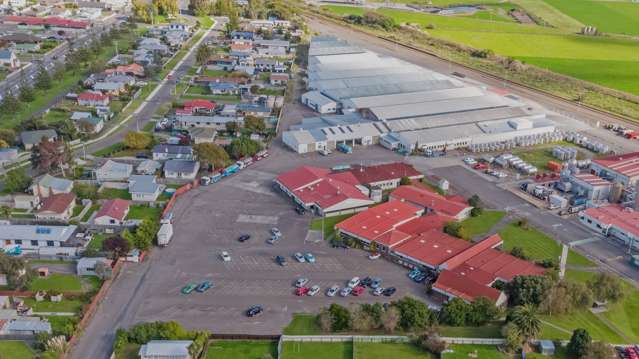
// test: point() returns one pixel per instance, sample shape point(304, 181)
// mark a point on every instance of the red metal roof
point(392, 238)
point(432, 248)
point(200, 103)
point(114, 208)
point(57, 203)
point(428, 199)
point(48, 21)
point(378, 220)
point(281, 77)
point(616, 215)
point(329, 192)
point(479, 247)
point(384, 172)
point(459, 285)
point(92, 96)
point(425, 223)
point(301, 177)
point(626, 164)
point(501, 265)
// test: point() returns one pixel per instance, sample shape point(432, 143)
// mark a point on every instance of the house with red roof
point(131, 69)
point(57, 207)
point(278, 79)
point(196, 106)
point(614, 221)
point(93, 99)
point(618, 168)
point(385, 176)
point(113, 212)
point(327, 193)
point(53, 22)
point(431, 201)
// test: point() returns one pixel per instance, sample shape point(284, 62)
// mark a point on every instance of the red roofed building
point(378, 224)
point(431, 201)
point(132, 70)
point(45, 21)
point(614, 221)
point(196, 106)
point(57, 207)
point(618, 168)
point(112, 212)
point(326, 193)
point(386, 175)
point(278, 79)
point(93, 99)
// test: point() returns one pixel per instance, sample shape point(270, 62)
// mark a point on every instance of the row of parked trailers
point(523, 141)
point(234, 168)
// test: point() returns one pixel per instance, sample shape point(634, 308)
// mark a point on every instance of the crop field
point(617, 17)
point(606, 61)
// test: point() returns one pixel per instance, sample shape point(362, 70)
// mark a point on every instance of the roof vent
point(435, 245)
point(363, 227)
point(449, 251)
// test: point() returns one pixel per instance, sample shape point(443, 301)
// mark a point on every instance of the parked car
point(244, 237)
point(374, 256)
point(281, 261)
point(377, 282)
point(353, 282)
point(358, 290)
point(419, 278)
point(332, 291)
point(254, 311)
point(389, 291)
point(187, 289)
point(469, 161)
point(301, 291)
point(273, 240)
point(225, 256)
point(276, 232)
point(300, 282)
point(299, 257)
point(309, 257)
point(378, 291)
point(325, 152)
point(415, 272)
point(366, 281)
point(204, 286)
point(314, 290)
point(345, 291)
point(300, 210)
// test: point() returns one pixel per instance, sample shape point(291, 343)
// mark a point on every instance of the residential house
point(8, 155)
point(121, 78)
point(253, 109)
point(31, 237)
point(93, 99)
point(48, 185)
point(26, 326)
point(9, 59)
point(242, 35)
point(272, 47)
point(110, 88)
point(278, 79)
point(166, 349)
point(148, 167)
point(143, 57)
point(129, 70)
point(33, 138)
point(112, 212)
point(215, 122)
point(113, 171)
point(144, 188)
point(176, 26)
point(205, 80)
point(181, 169)
point(90, 124)
point(153, 45)
point(224, 88)
point(202, 135)
point(87, 265)
point(196, 106)
point(269, 65)
point(163, 152)
point(218, 62)
point(57, 207)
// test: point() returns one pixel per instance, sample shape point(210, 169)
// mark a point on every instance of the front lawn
point(144, 212)
point(65, 306)
point(302, 324)
point(15, 349)
point(313, 350)
point(57, 281)
point(328, 223)
point(475, 226)
point(241, 349)
point(96, 242)
point(113, 193)
point(88, 214)
point(389, 350)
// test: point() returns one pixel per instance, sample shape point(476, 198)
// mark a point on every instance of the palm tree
point(528, 324)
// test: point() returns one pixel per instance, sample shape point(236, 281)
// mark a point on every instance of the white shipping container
point(165, 234)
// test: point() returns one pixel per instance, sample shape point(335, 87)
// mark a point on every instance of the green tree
point(528, 289)
point(142, 11)
point(43, 79)
point(340, 317)
point(26, 92)
point(6, 211)
point(18, 273)
point(7, 135)
point(212, 154)
point(404, 181)
point(201, 7)
point(456, 229)
point(414, 314)
point(518, 252)
point(9, 104)
point(454, 312)
point(600, 350)
point(474, 201)
point(579, 344)
point(137, 140)
point(524, 317)
point(482, 310)
point(244, 146)
point(118, 246)
point(17, 180)
point(203, 53)
point(606, 286)
point(512, 338)
point(231, 126)
point(254, 124)
point(145, 233)
point(256, 9)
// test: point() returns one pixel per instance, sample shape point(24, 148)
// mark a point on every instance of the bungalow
point(224, 88)
point(33, 138)
point(110, 88)
point(153, 45)
point(278, 79)
point(57, 207)
point(8, 155)
point(130, 70)
point(202, 135)
point(9, 59)
point(113, 171)
point(163, 152)
point(181, 169)
point(272, 47)
point(253, 109)
point(196, 106)
point(242, 35)
point(112, 212)
point(148, 167)
point(48, 185)
point(220, 63)
point(90, 124)
point(93, 99)
point(144, 188)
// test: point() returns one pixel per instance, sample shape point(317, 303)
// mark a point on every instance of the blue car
point(309, 257)
point(204, 286)
point(414, 273)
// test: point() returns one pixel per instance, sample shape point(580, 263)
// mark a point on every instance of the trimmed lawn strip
point(492, 330)
point(65, 306)
point(475, 226)
point(302, 324)
point(15, 349)
point(113, 193)
point(310, 350)
point(389, 350)
point(464, 351)
point(144, 212)
point(57, 281)
point(241, 349)
point(329, 224)
point(87, 215)
point(579, 276)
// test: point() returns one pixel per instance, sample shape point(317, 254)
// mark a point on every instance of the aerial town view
point(319, 179)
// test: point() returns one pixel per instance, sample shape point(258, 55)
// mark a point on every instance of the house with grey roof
point(32, 138)
point(48, 185)
point(110, 88)
point(91, 124)
point(148, 167)
point(153, 45)
point(166, 349)
point(215, 122)
point(9, 59)
point(144, 188)
point(26, 326)
point(113, 171)
point(163, 152)
point(8, 155)
point(31, 237)
point(202, 135)
point(181, 169)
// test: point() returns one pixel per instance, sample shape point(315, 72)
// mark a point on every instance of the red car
point(301, 291)
point(358, 290)
point(480, 166)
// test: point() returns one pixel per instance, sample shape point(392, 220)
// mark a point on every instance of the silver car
point(300, 282)
point(313, 291)
point(332, 291)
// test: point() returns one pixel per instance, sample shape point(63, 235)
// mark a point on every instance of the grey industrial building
point(364, 98)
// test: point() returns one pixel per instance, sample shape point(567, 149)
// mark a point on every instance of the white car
point(325, 152)
point(374, 256)
point(299, 257)
point(345, 292)
point(378, 291)
point(225, 256)
point(470, 161)
point(276, 232)
point(314, 290)
point(353, 282)
point(332, 291)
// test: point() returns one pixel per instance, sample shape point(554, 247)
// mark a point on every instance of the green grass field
point(549, 15)
point(460, 351)
point(15, 349)
point(295, 350)
point(129, 351)
point(389, 350)
point(56, 281)
point(475, 226)
point(241, 349)
point(582, 319)
point(65, 306)
point(491, 330)
point(608, 16)
point(623, 314)
point(328, 223)
point(144, 212)
point(302, 324)
point(112, 193)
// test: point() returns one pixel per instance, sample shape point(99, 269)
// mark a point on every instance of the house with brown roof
point(57, 207)
point(113, 212)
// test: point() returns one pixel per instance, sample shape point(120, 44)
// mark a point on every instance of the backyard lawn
point(389, 350)
point(295, 350)
point(241, 349)
point(129, 351)
point(57, 281)
point(96, 242)
point(15, 349)
point(475, 226)
point(328, 223)
point(144, 212)
point(581, 319)
point(112, 193)
point(88, 214)
point(302, 324)
point(460, 351)
point(65, 306)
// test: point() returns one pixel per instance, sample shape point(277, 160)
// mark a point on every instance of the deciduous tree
point(17, 180)
point(606, 286)
point(579, 344)
point(117, 245)
point(414, 314)
point(137, 140)
point(48, 155)
point(43, 79)
point(390, 319)
point(212, 154)
point(254, 124)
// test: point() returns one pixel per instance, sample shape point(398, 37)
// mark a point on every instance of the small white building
point(144, 188)
point(86, 265)
point(318, 102)
point(113, 171)
point(166, 349)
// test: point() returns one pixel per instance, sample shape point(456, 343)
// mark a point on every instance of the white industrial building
point(381, 99)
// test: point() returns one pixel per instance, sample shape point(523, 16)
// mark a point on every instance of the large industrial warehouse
point(363, 98)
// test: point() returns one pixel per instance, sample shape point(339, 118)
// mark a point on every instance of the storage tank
point(615, 192)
